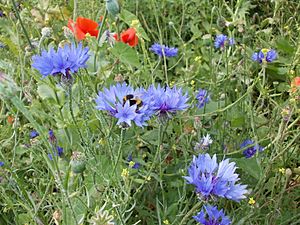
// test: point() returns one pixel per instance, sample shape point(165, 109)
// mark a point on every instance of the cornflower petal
point(213, 179)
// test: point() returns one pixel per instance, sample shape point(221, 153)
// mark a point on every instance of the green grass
point(248, 100)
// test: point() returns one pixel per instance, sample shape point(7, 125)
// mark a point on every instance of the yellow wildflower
point(131, 164)
point(166, 222)
point(281, 170)
point(251, 201)
point(125, 173)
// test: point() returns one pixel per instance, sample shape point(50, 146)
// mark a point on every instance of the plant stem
point(119, 150)
point(190, 213)
point(22, 25)
point(154, 160)
point(98, 39)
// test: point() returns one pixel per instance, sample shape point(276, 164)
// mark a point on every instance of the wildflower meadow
point(149, 112)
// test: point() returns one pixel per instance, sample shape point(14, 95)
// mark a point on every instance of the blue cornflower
point(202, 97)
point(213, 179)
point(34, 134)
point(210, 215)
point(160, 50)
point(166, 101)
point(251, 150)
point(264, 55)
point(52, 138)
point(66, 60)
point(132, 164)
point(125, 113)
point(59, 152)
point(124, 103)
point(1, 163)
point(221, 40)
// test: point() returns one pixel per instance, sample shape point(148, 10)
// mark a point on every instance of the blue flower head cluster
point(138, 105)
point(166, 101)
point(124, 103)
point(252, 149)
point(210, 215)
point(66, 60)
point(33, 134)
point(264, 55)
point(222, 40)
point(1, 163)
point(161, 50)
point(132, 164)
point(202, 98)
point(213, 179)
point(59, 151)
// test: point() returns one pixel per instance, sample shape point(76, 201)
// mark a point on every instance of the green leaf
point(45, 91)
point(250, 166)
point(128, 17)
point(284, 46)
point(238, 121)
point(125, 54)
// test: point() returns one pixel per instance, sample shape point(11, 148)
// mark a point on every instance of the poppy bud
point(78, 162)
point(112, 7)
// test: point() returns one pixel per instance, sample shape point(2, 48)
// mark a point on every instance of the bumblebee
point(133, 101)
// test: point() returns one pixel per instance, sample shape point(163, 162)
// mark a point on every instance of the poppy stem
point(98, 38)
point(74, 10)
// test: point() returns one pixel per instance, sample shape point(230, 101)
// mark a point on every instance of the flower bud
point(8, 87)
point(78, 162)
point(112, 7)
point(46, 32)
point(288, 172)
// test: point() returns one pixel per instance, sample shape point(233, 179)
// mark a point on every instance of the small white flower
point(204, 143)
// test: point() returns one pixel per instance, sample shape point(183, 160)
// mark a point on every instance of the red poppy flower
point(295, 84)
point(83, 26)
point(128, 37)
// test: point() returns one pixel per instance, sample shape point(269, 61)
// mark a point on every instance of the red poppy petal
point(94, 33)
point(79, 34)
point(86, 24)
point(125, 38)
point(133, 42)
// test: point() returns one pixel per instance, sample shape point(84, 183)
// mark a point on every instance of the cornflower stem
point(161, 178)
point(98, 39)
point(154, 69)
point(119, 150)
point(262, 74)
point(165, 67)
point(190, 213)
point(73, 117)
point(22, 25)
point(60, 108)
point(154, 160)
